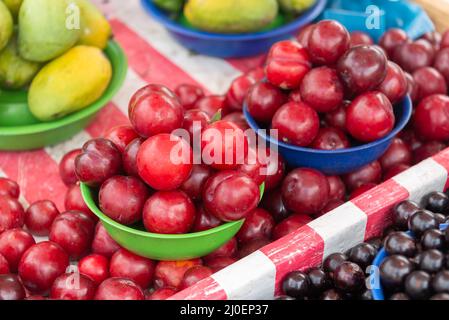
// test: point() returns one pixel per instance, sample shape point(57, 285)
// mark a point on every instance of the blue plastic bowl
point(232, 45)
point(378, 293)
point(341, 161)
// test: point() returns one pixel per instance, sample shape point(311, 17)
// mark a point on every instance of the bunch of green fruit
point(54, 49)
point(234, 16)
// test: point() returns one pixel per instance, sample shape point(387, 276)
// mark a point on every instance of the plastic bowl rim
point(307, 16)
point(407, 105)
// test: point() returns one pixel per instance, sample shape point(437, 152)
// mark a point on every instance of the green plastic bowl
point(163, 246)
point(19, 130)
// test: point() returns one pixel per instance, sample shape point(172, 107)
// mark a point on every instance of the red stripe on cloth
point(148, 63)
point(36, 173)
point(247, 64)
point(206, 289)
point(377, 204)
point(300, 250)
point(442, 158)
point(109, 117)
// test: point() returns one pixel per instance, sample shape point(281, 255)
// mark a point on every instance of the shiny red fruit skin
point(147, 90)
point(95, 266)
point(161, 294)
point(237, 92)
point(258, 224)
point(362, 68)
point(330, 139)
point(9, 188)
point(170, 273)
point(331, 205)
point(229, 249)
point(257, 73)
point(12, 214)
point(305, 191)
point(129, 157)
point(189, 95)
point(230, 195)
point(169, 212)
point(429, 81)
point(194, 185)
point(361, 190)
point(10, 288)
point(445, 40)
point(395, 170)
point(337, 118)
point(156, 112)
point(67, 167)
point(252, 246)
point(100, 159)
point(156, 166)
point(4, 266)
point(223, 145)
point(126, 264)
point(431, 118)
point(275, 170)
point(391, 39)
point(289, 225)
point(442, 63)
point(122, 198)
point(273, 203)
point(297, 124)
point(74, 202)
point(395, 84)
point(219, 263)
point(194, 275)
point(238, 118)
point(322, 89)
point(413, 89)
point(255, 165)
point(328, 41)
point(72, 286)
point(195, 121)
point(13, 244)
point(337, 188)
point(121, 136)
point(204, 220)
point(359, 38)
point(371, 173)
point(263, 100)
point(40, 216)
point(287, 64)
point(119, 289)
point(398, 153)
point(370, 117)
point(427, 150)
point(414, 55)
point(73, 231)
point(212, 104)
point(41, 265)
point(304, 35)
point(103, 243)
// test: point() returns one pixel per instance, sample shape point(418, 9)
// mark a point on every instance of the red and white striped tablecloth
point(153, 57)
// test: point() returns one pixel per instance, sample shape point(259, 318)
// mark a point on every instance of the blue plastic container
point(378, 293)
point(337, 162)
point(232, 45)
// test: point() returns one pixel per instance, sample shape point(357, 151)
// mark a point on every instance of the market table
point(154, 57)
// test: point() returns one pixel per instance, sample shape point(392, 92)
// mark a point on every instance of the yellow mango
point(95, 29)
point(13, 6)
point(6, 25)
point(69, 83)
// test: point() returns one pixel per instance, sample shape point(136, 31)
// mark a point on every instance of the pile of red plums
point(326, 92)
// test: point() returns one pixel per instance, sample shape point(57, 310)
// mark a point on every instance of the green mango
point(13, 6)
point(6, 25)
point(15, 72)
point(48, 28)
point(173, 6)
point(231, 16)
point(69, 83)
point(296, 6)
